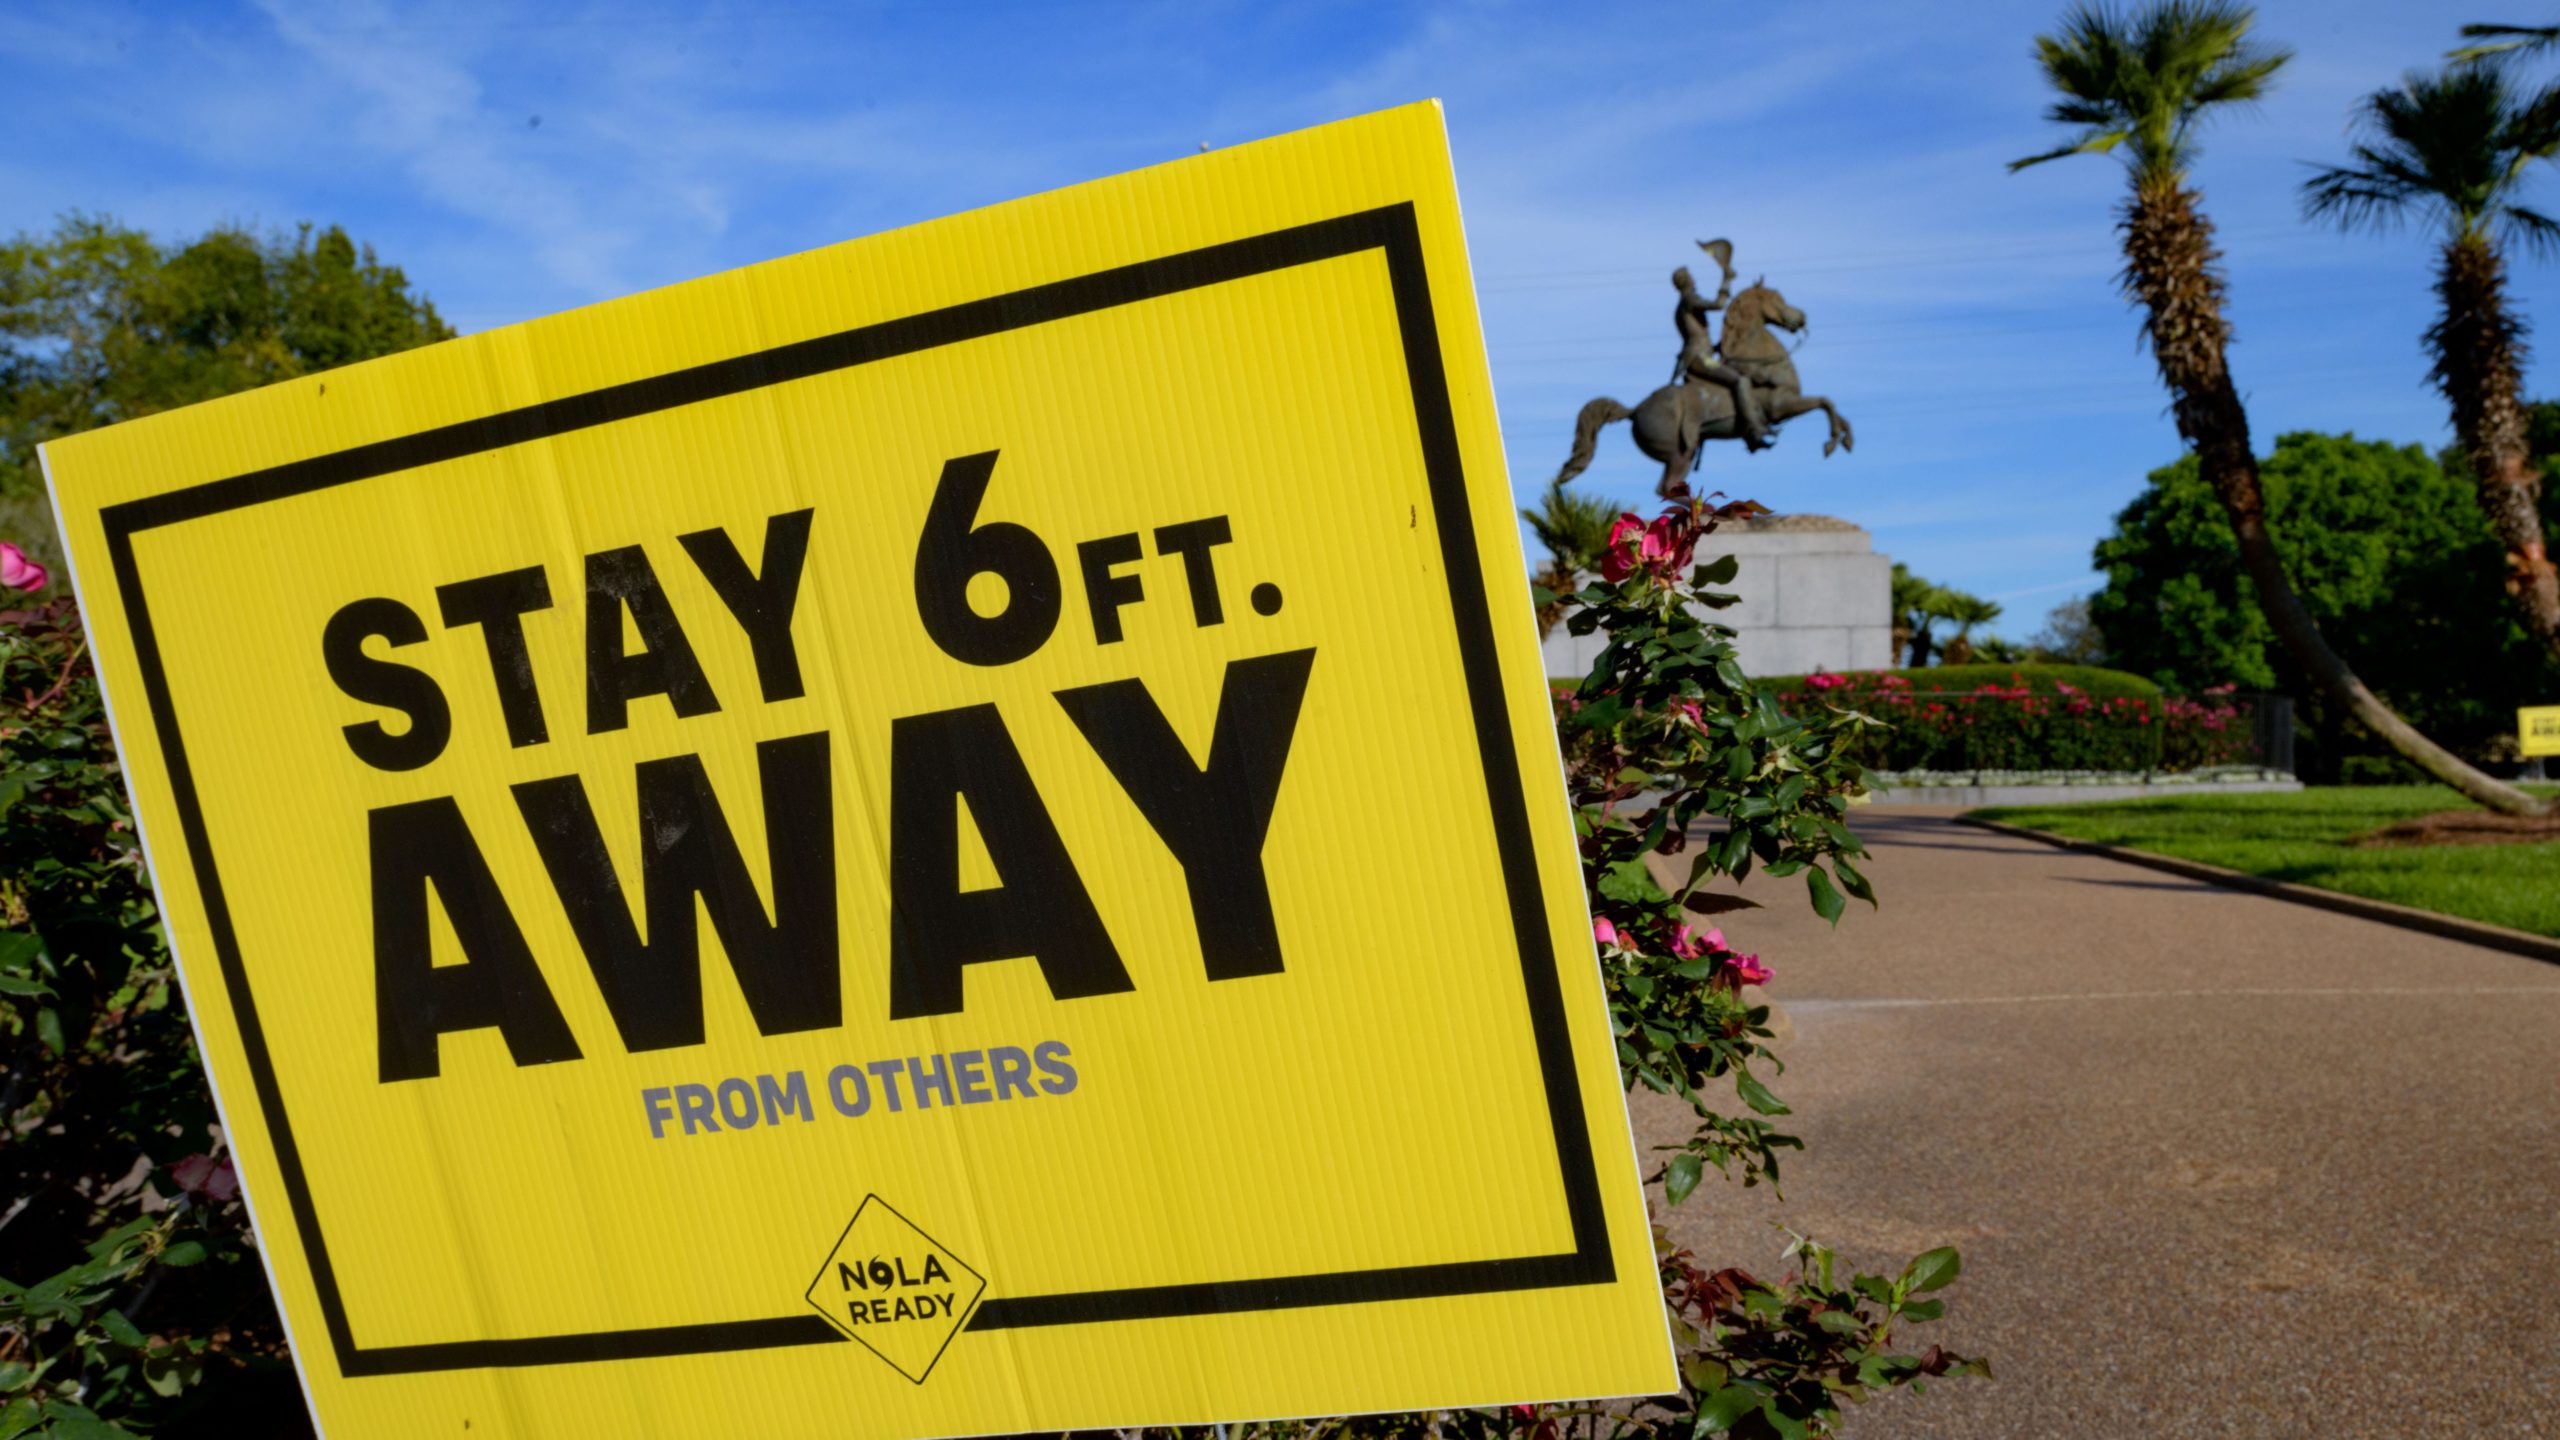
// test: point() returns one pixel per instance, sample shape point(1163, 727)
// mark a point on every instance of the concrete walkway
point(2219, 1165)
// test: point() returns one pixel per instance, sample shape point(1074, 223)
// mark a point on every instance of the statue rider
point(1698, 356)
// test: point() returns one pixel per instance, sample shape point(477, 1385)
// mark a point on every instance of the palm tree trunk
point(2169, 271)
point(2479, 349)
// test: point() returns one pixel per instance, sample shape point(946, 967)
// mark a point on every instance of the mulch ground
point(2464, 827)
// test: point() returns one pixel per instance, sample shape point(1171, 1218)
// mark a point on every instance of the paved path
point(2219, 1165)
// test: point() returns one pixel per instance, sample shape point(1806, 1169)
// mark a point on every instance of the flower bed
point(2035, 721)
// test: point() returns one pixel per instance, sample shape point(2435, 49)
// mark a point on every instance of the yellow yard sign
point(953, 834)
point(2538, 729)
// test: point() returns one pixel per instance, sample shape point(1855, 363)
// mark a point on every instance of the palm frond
point(2538, 233)
point(2147, 76)
point(2456, 141)
point(1573, 526)
point(2355, 199)
point(2097, 143)
point(2504, 40)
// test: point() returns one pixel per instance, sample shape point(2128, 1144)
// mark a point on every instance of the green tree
point(2457, 147)
point(2383, 545)
point(2069, 636)
point(100, 323)
point(2141, 83)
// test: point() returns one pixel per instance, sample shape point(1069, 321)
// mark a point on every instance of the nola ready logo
point(895, 1289)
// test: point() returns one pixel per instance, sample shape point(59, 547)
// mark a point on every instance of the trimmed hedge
point(2102, 683)
point(1995, 717)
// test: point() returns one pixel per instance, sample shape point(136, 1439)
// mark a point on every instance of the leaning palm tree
point(2138, 84)
point(1575, 529)
point(2457, 147)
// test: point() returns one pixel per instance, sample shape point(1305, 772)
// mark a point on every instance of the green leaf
point(1630, 882)
point(1787, 1426)
point(121, 1330)
point(168, 1373)
point(1704, 1374)
point(1717, 1412)
point(1682, 1176)
point(86, 1428)
point(1923, 1309)
point(1852, 881)
point(1933, 1271)
point(1827, 902)
point(1757, 1096)
point(1717, 572)
point(183, 1254)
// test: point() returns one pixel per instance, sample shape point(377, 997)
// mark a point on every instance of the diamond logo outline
point(960, 1321)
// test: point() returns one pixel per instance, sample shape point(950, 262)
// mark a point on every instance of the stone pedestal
point(1815, 596)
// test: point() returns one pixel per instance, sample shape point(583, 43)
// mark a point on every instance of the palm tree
point(2457, 147)
point(2139, 84)
point(1917, 604)
point(1575, 529)
point(1966, 610)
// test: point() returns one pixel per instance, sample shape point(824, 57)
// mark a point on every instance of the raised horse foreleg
point(1675, 473)
point(1782, 408)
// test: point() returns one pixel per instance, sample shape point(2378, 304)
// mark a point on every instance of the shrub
point(2005, 723)
point(132, 1295)
point(2034, 717)
point(1666, 713)
point(2042, 678)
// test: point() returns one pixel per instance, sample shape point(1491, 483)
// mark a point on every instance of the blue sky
point(519, 158)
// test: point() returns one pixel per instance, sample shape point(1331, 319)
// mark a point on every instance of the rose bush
point(1671, 751)
point(2033, 719)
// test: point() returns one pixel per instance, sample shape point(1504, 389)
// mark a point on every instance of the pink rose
point(1603, 931)
point(206, 1176)
point(1618, 560)
point(1747, 970)
point(18, 572)
point(1659, 549)
point(1715, 940)
point(1684, 943)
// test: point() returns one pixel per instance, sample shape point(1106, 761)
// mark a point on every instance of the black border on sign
point(1390, 229)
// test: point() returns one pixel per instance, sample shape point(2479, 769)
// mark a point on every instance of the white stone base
point(1815, 596)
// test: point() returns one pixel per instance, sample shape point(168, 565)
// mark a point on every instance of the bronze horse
point(1674, 423)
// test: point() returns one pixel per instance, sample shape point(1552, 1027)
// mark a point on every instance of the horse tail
point(1586, 433)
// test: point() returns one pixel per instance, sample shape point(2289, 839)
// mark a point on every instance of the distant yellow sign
point(2538, 729)
point(953, 834)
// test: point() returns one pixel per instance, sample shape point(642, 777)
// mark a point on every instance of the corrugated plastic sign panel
point(959, 833)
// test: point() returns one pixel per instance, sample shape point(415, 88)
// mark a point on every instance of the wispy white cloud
point(1855, 152)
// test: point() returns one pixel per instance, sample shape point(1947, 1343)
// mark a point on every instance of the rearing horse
point(1674, 423)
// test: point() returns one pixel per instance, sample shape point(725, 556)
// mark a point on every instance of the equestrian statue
point(1741, 387)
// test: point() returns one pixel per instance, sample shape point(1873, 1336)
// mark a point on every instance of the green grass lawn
point(2302, 838)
